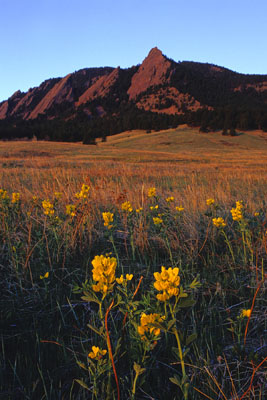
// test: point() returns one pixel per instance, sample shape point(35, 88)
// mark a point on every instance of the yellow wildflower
point(157, 220)
point(154, 207)
point(97, 353)
point(3, 194)
point(219, 222)
point(126, 206)
point(246, 313)
point(108, 219)
point(237, 211)
point(179, 208)
point(209, 202)
point(48, 207)
point(138, 210)
point(151, 192)
point(146, 325)
point(83, 194)
point(120, 280)
point(256, 214)
point(45, 276)
point(104, 273)
point(168, 282)
point(15, 197)
point(169, 199)
point(71, 210)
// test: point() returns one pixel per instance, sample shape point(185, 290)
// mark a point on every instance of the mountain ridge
point(188, 90)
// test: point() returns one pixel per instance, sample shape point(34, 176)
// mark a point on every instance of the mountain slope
point(175, 92)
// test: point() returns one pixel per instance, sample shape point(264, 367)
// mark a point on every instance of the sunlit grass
point(78, 202)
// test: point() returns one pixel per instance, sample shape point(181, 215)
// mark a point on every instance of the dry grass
point(228, 356)
point(190, 165)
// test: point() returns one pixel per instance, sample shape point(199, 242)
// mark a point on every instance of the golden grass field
point(191, 165)
point(57, 203)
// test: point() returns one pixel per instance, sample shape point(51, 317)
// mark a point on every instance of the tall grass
point(46, 257)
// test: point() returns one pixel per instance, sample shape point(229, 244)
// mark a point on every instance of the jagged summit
point(153, 71)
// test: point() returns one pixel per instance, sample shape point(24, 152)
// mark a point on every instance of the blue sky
point(41, 39)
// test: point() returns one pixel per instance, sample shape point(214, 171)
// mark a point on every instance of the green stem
point(229, 245)
point(100, 311)
point(114, 248)
point(176, 334)
point(134, 385)
point(244, 247)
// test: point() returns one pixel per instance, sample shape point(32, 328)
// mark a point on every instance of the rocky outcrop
point(3, 109)
point(153, 71)
point(100, 88)
point(62, 91)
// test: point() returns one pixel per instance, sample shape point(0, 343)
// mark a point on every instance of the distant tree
point(232, 131)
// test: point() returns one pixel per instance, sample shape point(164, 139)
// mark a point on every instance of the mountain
point(157, 93)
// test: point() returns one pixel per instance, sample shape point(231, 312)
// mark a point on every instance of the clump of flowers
point(138, 210)
point(219, 222)
point(126, 206)
point(154, 207)
point(104, 273)
point(45, 276)
point(3, 194)
point(83, 194)
point(71, 210)
point(169, 199)
point(246, 313)
point(179, 208)
point(48, 208)
point(151, 192)
point(121, 280)
point(97, 353)
point(167, 282)
point(209, 202)
point(237, 211)
point(108, 219)
point(146, 325)
point(15, 198)
point(157, 220)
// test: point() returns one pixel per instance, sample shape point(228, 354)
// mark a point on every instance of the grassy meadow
point(134, 265)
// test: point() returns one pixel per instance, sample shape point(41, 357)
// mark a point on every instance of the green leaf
point(138, 369)
point(90, 298)
point(176, 352)
point(189, 302)
point(190, 339)
point(170, 324)
point(176, 380)
point(195, 284)
point(98, 332)
point(185, 352)
point(83, 384)
point(81, 365)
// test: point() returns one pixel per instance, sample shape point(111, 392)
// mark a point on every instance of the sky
point(42, 39)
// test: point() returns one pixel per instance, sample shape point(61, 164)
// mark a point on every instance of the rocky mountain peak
point(153, 71)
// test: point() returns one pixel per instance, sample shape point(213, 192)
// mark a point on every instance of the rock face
point(152, 72)
point(61, 91)
point(3, 109)
point(159, 85)
point(100, 88)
